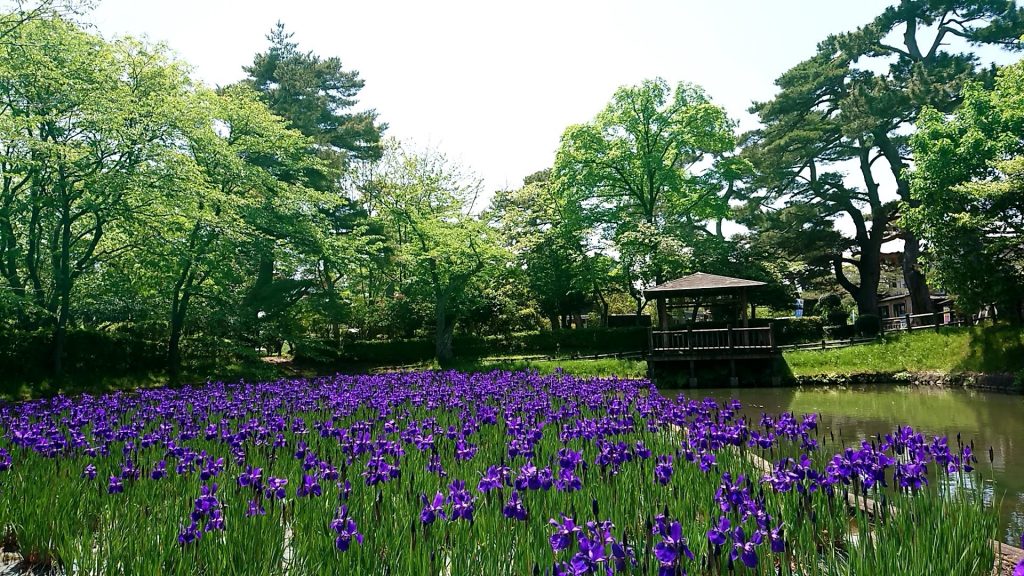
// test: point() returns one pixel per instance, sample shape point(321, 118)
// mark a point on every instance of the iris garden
point(484, 473)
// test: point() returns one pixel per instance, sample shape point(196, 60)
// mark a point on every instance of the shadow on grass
point(994, 349)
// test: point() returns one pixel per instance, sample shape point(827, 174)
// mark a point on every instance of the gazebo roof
point(701, 283)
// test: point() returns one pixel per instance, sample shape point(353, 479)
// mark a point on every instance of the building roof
point(701, 282)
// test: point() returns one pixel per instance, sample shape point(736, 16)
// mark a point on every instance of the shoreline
point(989, 382)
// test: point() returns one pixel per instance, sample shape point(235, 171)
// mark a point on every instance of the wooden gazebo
point(675, 340)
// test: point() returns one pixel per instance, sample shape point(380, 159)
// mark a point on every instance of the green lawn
point(988, 349)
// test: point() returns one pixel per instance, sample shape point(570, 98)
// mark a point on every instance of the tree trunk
point(556, 323)
point(174, 349)
point(179, 309)
point(920, 295)
point(443, 333)
point(62, 285)
point(867, 293)
point(604, 307)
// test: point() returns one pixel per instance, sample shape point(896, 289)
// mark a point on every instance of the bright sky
point(493, 85)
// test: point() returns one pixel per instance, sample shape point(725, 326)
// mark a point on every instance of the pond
point(989, 419)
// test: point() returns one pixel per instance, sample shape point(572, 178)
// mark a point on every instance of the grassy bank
point(989, 349)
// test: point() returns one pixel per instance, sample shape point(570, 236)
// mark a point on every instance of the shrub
point(868, 325)
point(839, 331)
point(797, 330)
point(29, 355)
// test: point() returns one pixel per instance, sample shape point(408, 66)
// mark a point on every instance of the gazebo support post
point(663, 320)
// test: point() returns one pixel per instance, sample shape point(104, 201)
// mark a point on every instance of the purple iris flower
point(593, 549)
point(461, 500)
point(189, 534)
point(275, 488)
point(432, 509)
point(777, 540)
point(464, 450)
point(514, 508)
point(309, 487)
point(569, 459)
point(255, 509)
point(663, 470)
point(129, 471)
point(642, 452)
point(159, 470)
point(434, 465)
point(206, 503)
point(490, 480)
point(707, 461)
point(1019, 570)
point(115, 486)
point(89, 472)
point(623, 556)
point(577, 566)
point(672, 547)
point(568, 481)
point(251, 477)
point(560, 540)
point(718, 534)
point(346, 529)
point(5, 460)
point(745, 550)
point(215, 521)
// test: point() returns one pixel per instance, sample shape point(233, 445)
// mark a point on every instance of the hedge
point(584, 341)
point(29, 355)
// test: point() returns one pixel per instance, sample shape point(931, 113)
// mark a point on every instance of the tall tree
point(216, 198)
point(17, 13)
point(968, 186)
point(841, 120)
point(317, 96)
point(440, 246)
point(84, 123)
point(645, 169)
point(547, 235)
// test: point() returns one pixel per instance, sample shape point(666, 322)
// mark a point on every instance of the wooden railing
point(922, 321)
point(717, 339)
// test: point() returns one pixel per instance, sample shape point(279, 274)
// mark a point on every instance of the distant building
point(894, 301)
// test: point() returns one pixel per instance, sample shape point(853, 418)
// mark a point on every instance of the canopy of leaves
point(969, 183)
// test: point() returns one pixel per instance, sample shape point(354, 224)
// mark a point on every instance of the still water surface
point(991, 420)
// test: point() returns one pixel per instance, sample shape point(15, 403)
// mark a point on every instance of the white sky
point(493, 85)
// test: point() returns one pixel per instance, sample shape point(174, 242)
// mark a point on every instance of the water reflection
point(989, 420)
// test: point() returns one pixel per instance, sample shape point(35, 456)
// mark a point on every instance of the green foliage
point(830, 308)
point(470, 346)
point(969, 188)
point(638, 169)
point(315, 95)
point(851, 105)
point(440, 250)
point(795, 330)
